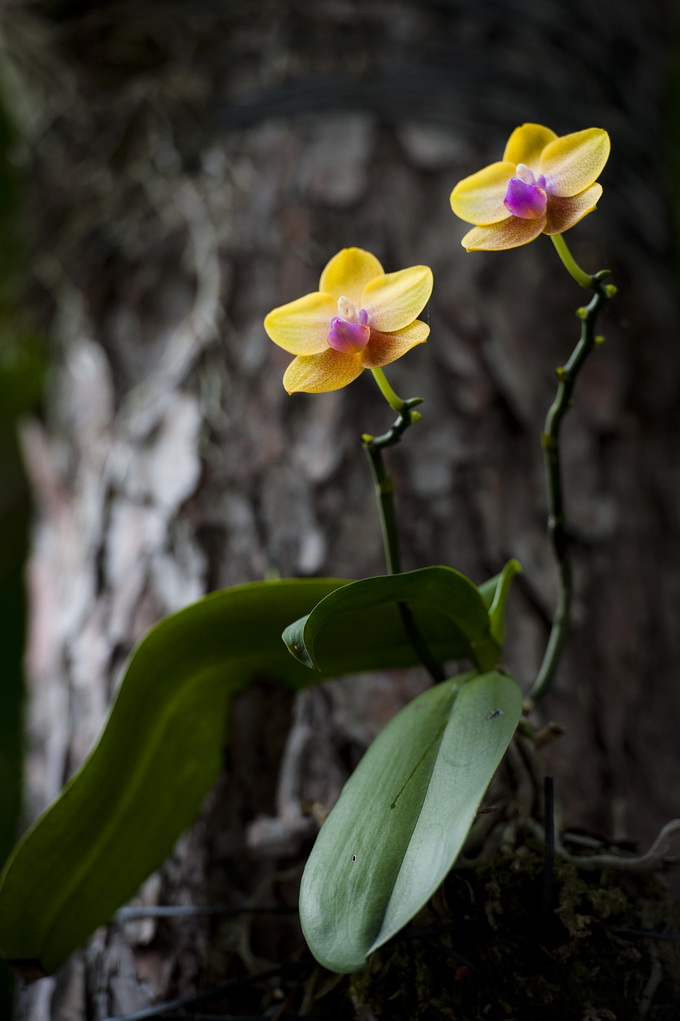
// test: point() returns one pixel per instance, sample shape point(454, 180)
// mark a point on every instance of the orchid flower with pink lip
point(543, 185)
point(360, 318)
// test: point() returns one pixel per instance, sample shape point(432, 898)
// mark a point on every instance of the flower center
point(349, 332)
point(527, 195)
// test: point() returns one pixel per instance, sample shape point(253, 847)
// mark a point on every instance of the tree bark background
point(188, 168)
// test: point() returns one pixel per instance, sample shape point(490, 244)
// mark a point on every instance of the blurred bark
point(194, 165)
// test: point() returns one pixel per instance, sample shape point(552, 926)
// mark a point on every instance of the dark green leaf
point(447, 608)
point(160, 752)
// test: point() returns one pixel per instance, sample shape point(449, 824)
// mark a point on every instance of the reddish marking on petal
point(528, 201)
point(348, 338)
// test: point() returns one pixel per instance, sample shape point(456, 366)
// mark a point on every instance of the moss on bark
point(486, 949)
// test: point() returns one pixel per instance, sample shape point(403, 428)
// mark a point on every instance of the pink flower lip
point(526, 200)
point(349, 338)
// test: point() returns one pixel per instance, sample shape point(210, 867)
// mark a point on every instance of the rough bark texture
point(191, 166)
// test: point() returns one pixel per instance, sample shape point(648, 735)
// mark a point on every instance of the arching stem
point(557, 526)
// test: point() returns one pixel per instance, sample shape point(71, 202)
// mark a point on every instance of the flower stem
point(374, 446)
point(388, 393)
point(582, 278)
point(384, 489)
point(557, 528)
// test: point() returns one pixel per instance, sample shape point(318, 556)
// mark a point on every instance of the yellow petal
point(301, 327)
point(348, 272)
point(526, 144)
point(495, 237)
point(394, 300)
point(320, 373)
point(384, 348)
point(564, 213)
point(479, 198)
point(575, 161)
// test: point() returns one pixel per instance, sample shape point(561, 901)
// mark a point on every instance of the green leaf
point(403, 816)
point(489, 589)
point(157, 757)
point(447, 608)
point(159, 754)
point(500, 598)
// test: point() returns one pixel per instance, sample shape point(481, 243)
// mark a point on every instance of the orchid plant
point(404, 815)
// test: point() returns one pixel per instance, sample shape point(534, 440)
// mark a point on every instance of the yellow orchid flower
point(360, 318)
point(543, 185)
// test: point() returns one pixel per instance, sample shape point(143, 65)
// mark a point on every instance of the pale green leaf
point(403, 816)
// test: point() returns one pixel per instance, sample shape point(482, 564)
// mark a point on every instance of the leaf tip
point(293, 638)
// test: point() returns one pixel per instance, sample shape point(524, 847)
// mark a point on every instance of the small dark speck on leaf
point(354, 857)
point(496, 712)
